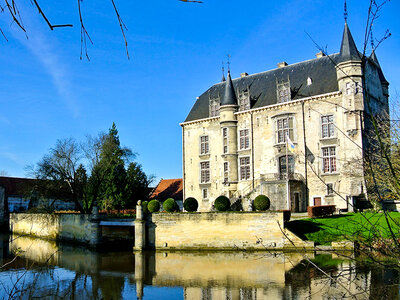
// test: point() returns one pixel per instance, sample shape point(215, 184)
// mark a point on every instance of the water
point(45, 269)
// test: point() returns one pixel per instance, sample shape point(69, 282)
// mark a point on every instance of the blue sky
point(176, 48)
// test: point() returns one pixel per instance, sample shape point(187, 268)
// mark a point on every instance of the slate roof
point(168, 188)
point(262, 86)
point(229, 97)
point(348, 49)
point(16, 186)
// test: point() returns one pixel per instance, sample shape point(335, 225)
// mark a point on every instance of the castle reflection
point(53, 270)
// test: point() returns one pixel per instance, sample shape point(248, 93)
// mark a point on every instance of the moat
point(50, 270)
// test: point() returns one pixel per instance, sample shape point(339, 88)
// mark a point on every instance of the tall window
point(204, 147)
point(283, 91)
point(205, 172)
point(349, 89)
point(284, 127)
point(244, 100)
point(205, 193)
point(225, 139)
point(244, 139)
point(214, 107)
point(244, 163)
point(328, 128)
point(329, 159)
point(226, 171)
point(282, 165)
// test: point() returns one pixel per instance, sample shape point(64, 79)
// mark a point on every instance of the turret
point(228, 124)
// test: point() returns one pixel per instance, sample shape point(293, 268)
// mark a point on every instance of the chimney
point(282, 64)
point(320, 54)
point(244, 74)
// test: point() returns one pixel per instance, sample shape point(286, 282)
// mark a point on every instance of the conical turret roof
point(375, 60)
point(229, 97)
point(348, 50)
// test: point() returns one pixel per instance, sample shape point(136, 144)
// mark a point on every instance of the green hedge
point(222, 203)
point(262, 203)
point(153, 206)
point(170, 205)
point(191, 204)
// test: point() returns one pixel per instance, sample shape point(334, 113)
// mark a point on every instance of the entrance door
point(317, 201)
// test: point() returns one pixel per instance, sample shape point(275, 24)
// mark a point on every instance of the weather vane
point(345, 11)
point(372, 40)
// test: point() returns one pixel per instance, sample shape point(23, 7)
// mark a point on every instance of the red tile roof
point(168, 188)
point(16, 186)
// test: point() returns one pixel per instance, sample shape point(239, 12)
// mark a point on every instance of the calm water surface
point(49, 270)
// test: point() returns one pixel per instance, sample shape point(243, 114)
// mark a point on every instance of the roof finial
point(223, 72)
point(345, 12)
point(229, 62)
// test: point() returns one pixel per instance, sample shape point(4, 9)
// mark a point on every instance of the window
point(205, 193)
point(282, 166)
point(309, 81)
point(283, 90)
point(214, 107)
point(226, 172)
point(204, 147)
point(225, 139)
point(329, 188)
point(284, 127)
point(329, 159)
point(244, 139)
point(244, 100)
point(327, 126)
point(205, 172)
point(349, 89)
point(244, 168)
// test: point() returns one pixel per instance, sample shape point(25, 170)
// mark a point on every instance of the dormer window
point(283, 91)
point(244, 100)
point(214, 107)
point(309, 81)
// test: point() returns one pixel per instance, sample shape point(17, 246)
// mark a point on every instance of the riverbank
point(347, 227)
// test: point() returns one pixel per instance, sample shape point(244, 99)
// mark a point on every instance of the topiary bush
point(191, 204)
point(222, 203)
point(170, 205)
point(153, 206)
point(144, 207)
point(262, 203)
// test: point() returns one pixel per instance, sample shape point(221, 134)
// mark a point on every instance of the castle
point(296, 134)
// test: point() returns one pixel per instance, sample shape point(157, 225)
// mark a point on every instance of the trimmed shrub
point(170, 205)
point(153, 206)
point(191, 204)
point(262, 203)
point(222, 203)
point(144, 207)
point(320, 210)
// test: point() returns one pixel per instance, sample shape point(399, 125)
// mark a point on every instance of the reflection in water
point(47, 269)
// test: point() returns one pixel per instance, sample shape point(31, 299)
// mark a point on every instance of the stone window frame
point(244, 100)
point(291, 165)
point(213, 107)
point(329, 189)
point(244, 168)
point(329, 160)
point(281, 131)
point(244, 139)
point(283, 93)
point(204, 145)
point(226, 172)
point(204, 193)
point(205, 172)
point(328, 121)
point(225, 140)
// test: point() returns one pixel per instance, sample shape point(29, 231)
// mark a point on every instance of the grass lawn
point(351, 226)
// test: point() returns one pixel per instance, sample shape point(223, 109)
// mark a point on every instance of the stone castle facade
point(296, 134)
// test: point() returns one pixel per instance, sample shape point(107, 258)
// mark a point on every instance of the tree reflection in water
point(50, 270)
